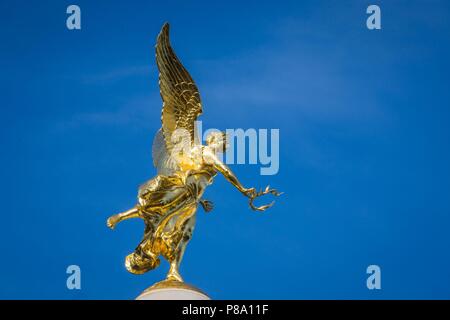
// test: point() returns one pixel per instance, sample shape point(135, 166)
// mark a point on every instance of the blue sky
point(364, 145)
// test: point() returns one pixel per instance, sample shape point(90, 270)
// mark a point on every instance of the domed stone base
point(172, 290)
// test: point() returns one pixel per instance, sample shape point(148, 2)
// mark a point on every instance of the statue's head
point(217, 141)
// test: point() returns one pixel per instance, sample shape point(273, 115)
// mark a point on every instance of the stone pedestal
point(172, 290)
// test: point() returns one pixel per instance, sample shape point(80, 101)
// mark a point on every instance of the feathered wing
point(181, 99)
point(164, 163)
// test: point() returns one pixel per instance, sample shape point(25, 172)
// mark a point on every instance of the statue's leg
point(143, 258)
point(138, 262)
point(186, 228)
point(115, 219)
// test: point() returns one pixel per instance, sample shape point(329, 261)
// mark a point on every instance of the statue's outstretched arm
point(229, 175)
point(251, 193)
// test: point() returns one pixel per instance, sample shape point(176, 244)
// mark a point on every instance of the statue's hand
point(249, 192)
point(254, 194)
point(112, 221)
point(207, 205)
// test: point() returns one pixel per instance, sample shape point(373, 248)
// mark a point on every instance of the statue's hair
point(217, 136)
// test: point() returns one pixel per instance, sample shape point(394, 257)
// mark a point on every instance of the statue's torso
point(197, 180)
point(190, 182)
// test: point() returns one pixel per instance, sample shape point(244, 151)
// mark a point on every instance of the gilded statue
point(168, 202)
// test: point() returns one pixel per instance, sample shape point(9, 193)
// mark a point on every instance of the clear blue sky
point(364, 129)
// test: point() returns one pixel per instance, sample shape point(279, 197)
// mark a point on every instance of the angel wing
point(181, 99)
point(164, 163)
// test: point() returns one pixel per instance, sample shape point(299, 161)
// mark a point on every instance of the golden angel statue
point(168, 202)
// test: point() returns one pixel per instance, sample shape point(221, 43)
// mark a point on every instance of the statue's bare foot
point(112, 221)
point(174, 276)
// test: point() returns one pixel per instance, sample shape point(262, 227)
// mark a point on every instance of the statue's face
point(217, 141)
